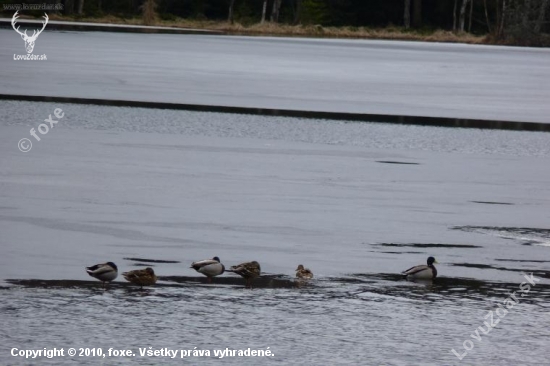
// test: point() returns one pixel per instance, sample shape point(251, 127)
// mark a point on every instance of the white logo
point(29, 40)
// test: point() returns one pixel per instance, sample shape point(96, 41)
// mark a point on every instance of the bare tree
point(407, 14)
point(471, 13)
point(462, 15)
point(525, 14)
point(500, 29)
point(298, 12)
point(522, 20)
point(264, 8)
point(542, 13)
point(454, 16)
point(80, 7)
point(275, 10)
point(486, 16)
point(148, 9)
point(417, 14)
point(230, 15)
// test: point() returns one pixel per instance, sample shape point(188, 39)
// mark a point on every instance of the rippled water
point(358, 319)
point(164, 188)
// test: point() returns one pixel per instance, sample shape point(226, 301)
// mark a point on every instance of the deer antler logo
point(29, 41)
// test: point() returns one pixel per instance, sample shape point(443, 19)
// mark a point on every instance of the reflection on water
point(359, 318)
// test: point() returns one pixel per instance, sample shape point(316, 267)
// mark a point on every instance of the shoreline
point(308, 114)
point(267, 29)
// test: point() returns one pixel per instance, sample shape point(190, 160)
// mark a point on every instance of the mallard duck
point(247, 270)
point(105, 272)
point(209, 267)
point(141, 277)
point(422, 272)
point(303, 273)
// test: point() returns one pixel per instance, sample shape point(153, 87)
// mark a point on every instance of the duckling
point(105, 272)
point(209, 267)
point(422, 272)
point(248, 270)
point(303, 273)
point(141, 277)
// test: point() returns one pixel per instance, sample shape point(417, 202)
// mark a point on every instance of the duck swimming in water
point(422, 272)
point(303, 273)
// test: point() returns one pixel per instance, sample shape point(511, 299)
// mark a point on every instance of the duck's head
point(431, 261)
point(112, 265)
point(150, 271)
point(217, 259)
point(300, 267)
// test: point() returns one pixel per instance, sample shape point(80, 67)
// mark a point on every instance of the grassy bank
point(275, 29)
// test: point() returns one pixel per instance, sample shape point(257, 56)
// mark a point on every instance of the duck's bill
point(435, 261)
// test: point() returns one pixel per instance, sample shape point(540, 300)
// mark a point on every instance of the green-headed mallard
point(422, 272)
point(247, 270)
point(105, 272)
point(141, 277)
point(303, 273)
point(209, 267)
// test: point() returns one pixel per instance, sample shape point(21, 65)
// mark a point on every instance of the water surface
point(355, 202)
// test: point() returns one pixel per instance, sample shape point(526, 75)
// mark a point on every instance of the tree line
point(521, 19)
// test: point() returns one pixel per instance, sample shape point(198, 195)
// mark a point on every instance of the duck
point(303, 273)
point(209, 267)
point(105, 272)
point(141, 277)
point(422, 272)
point(248, 270)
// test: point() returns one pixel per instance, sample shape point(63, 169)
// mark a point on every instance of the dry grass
point(392, 33)
point(274, 29)
point(149, 10)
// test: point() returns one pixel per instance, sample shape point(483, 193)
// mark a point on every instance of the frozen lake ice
point(331, 75)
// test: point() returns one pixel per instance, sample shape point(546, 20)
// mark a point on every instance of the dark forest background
point(524, 20)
